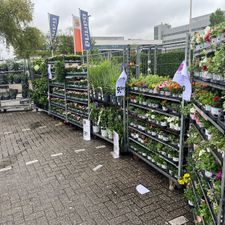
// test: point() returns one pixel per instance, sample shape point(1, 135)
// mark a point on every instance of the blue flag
point(86, 38)
point(53, 24)
point(121, 84)
point(183, 79)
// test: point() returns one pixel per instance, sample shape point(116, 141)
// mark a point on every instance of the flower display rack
point(206, 161)
point(156, 131)
point(68, 90)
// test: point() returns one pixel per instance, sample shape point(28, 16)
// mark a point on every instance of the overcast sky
point(129, 18)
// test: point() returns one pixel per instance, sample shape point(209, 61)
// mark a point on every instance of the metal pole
point(222, 203)
point(190, 28)
point(138, 62)
point(125, 110)
point(149, 61)
point(88, 87)
point(155, 59)
point(50, 36)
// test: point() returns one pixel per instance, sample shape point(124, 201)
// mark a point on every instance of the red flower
point(216, 98)
point(205, 68)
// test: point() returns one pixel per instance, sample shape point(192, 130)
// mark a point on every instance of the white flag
point(49, 72)
point(182, 77)
point(121, 83)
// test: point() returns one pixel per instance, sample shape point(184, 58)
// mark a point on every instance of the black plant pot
point(113, 99)
point(119, 101)
point(105, 98)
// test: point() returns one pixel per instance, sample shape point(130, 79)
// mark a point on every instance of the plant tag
point(178, 221)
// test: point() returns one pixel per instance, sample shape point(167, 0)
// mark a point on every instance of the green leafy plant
point(39, 92)
point(60, 71)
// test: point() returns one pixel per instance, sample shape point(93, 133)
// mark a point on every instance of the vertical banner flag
point(183, 79)
point(77, 35)
point(121, 83)
point(86, 38)
point(53, 24)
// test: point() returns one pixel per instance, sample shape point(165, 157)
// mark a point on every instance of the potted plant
point(164, 105)
point(103, 121)
point(94, 116)
point(110, 124)
point(216, 105)
point(206, 162)
point(175, 156)
point(60, 71)
point(164, 165)
point(189, 194)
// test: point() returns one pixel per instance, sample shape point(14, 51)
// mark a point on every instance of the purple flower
point(219, 175)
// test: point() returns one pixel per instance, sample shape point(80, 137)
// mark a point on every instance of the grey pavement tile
point(64, 190)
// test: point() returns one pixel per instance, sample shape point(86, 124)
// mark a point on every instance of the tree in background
point(217, 17)
point(15, 15)
point(30, 41)
point(63, 44)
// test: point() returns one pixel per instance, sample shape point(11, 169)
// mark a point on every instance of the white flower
point(202, 152)
point(192, 110)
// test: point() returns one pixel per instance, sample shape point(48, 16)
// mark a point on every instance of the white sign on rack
point(116, 146)
point(86, 130)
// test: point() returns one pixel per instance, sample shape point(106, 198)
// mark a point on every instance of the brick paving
point(64, 189)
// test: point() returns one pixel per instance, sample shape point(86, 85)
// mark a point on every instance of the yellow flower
point(181, 181)
point(186, 176)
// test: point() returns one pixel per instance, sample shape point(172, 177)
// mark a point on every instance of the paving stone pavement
point(63, 189)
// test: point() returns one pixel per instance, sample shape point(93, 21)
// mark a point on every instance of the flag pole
point(52, 53)
point(190, 29)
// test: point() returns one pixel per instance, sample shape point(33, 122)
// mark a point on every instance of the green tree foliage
point(217, 17)
point(63, 44)
point(15, 15)
point(29, 42)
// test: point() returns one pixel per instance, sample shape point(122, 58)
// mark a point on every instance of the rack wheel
point(171, 185)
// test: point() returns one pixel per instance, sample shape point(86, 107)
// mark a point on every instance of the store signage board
point(86, 130)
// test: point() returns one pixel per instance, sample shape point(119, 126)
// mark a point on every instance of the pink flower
point(219, 175)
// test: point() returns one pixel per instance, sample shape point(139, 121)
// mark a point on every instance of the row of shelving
point(155, 130)
point(68, 98)
point(206, 155)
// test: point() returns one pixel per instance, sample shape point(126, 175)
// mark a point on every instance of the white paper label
point(86, 130)
point(116, 145)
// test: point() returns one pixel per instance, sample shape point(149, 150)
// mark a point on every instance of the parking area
point(50, 175)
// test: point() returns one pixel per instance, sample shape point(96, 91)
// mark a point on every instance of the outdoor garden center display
point(206, 164)
point(155, 132)
point(68, 90)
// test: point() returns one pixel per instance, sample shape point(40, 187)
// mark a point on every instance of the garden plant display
point(154, 122)
point(68, 93)
point(206, 136)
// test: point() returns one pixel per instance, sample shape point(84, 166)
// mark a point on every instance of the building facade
point(119, 43)
point(169, 34)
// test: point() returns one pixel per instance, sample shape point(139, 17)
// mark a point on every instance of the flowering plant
point(217, 101)
point(185, 179)
point(207, 34)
